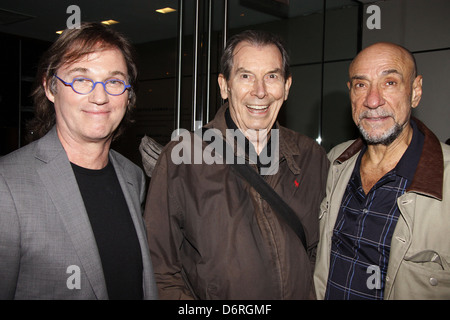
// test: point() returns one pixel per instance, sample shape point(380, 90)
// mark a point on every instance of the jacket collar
point(429, 175)
point(59, 180)
point(49, 146)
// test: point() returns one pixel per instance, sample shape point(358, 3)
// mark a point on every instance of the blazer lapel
point(134, 193)
point(59, 179)
point(129, 188)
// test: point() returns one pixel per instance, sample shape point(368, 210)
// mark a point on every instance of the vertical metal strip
point(208, 62)
point(195, 67)
point(19, 142)
point(225, 24)
point(179, 66)
point(319, 138)
point(360, 27)
point(225, 34)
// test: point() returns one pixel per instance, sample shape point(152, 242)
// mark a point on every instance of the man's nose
point(99, 95)
point(259, 89)
point(374, 98)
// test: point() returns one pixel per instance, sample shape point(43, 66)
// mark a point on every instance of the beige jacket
point(419, 262)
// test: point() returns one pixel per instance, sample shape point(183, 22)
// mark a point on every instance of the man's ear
point(48, 90)
point(287, 86)
point(223, 86)
point(416, 93)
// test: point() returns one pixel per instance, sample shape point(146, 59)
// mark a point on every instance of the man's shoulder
point(126, 163)
point(186, 140)
point(446, 152)
point(337, 150)
point(300, 141)
point(19, 157)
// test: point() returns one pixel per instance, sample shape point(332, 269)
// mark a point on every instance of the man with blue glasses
point(70, 207)
point(114, 87)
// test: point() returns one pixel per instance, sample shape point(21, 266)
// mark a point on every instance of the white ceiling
point(138, 19)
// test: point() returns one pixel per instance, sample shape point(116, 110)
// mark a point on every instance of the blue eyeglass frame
point(126, 86)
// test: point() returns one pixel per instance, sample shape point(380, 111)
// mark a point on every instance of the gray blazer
point(47, 247)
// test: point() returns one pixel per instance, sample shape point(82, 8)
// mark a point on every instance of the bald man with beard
point(385, 220)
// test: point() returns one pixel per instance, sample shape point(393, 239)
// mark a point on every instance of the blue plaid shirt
point(363, 231)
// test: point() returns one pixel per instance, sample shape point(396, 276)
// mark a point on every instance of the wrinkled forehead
point(249, 47)
point(249, 53)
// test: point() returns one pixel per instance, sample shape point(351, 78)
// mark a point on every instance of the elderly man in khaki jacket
point(385, 220)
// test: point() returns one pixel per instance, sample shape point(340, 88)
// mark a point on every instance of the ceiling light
point(110, 22)
point(165, 10)
point(105, 22)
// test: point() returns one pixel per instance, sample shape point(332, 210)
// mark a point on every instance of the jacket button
point(433, 281)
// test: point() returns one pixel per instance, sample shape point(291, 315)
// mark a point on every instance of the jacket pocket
point(424, 275)
point(430, 258)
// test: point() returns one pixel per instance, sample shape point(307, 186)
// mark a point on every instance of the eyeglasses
point(80, 85)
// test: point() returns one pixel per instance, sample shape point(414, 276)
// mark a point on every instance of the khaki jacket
point(211, 236)
point(420, 249)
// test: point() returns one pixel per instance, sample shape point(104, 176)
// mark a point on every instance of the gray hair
point(257, 38)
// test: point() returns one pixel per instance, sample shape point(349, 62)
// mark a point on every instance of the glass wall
point(178, 55)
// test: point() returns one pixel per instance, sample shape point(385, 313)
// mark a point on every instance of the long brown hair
point(71, 46)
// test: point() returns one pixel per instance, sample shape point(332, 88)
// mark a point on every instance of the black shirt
point(114, 231)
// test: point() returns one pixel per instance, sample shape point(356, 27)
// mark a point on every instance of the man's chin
point(385, 138)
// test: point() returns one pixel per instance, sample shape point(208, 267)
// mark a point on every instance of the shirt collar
point(406, 167)
point(289, 145)
point(248, 147)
